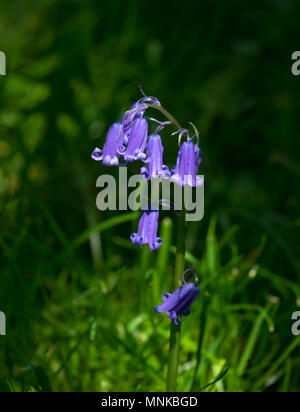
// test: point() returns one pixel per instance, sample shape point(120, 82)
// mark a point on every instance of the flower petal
point(96, 155)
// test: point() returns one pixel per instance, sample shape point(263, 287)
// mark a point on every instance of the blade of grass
point(218, 378)
point(293, 345)
point(249, 349)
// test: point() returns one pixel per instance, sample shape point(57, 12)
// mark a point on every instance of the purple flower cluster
point(128, 140)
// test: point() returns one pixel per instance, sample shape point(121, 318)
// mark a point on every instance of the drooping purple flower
point(155, 167)
point(137, 142)
point(129, 118)
point(110, 155)
point(187, 165)
point(177, 303)
point(137, 111)
point(147, 230)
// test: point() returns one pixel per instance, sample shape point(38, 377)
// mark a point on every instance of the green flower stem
point(173, 357)
point(174, 345)
point(172, 119)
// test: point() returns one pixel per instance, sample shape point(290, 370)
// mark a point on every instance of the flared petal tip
point(177, 179)
point(166, 171)
point(175, 318)
point(136, 239)
point(144, 173)
point(111, 161)
point(156, 244)
point(188, 180)
point(141, 156)
point(97, 154)
point(129, 158)
point(137, 156)
point(199, 181)
point(121, 149)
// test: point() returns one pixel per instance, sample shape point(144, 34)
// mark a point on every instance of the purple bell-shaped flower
point(187, 165)
point(137, 141)
point(109, 155)
point(129, 118)
point(177, 303)
point(147, 230)
point(155, 167)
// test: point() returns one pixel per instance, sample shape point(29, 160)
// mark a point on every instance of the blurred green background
point(78, 296)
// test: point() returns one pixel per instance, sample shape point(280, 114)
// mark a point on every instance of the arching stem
point(172, 119)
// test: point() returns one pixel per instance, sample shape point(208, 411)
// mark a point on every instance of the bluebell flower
point(177, 303)
point(137, 141)
point(187, 165)
point(129, 118)
point(155, 167)
point(110, 155)
point(147, 230)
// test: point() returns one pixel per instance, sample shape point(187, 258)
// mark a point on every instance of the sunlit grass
point(97, 331)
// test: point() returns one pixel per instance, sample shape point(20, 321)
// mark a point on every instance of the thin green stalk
point(144, 266)
point(174, 345)
point(173, 357)
point(167, 115)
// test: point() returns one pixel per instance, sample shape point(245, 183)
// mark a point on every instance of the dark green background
point(79, 321)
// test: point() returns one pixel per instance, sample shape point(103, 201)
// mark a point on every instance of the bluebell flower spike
point(128, 140)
